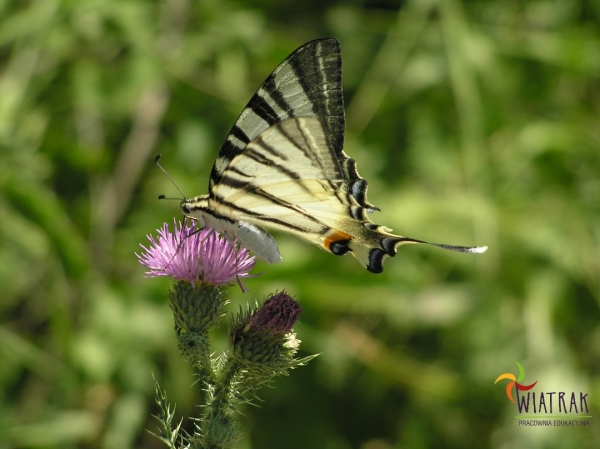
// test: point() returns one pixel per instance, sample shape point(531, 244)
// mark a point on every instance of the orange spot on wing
point(335, 236)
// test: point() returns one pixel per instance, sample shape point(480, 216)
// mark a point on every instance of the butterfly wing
point(283, 166)
point(289, 178)
point(308, 83)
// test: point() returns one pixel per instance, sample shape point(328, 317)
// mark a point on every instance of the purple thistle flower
point(195, 256)
point(278, 314)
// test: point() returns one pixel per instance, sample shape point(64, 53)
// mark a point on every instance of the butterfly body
point(283, 167)
point(253, 237)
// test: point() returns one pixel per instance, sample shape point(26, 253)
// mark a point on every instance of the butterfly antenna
point(162, 197)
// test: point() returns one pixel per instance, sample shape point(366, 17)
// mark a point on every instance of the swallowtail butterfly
point(283, 166)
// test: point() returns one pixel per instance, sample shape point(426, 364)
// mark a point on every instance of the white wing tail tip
point(460, 249)
point(478, 249)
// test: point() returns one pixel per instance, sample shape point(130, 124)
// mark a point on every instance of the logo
point(515, 382)
point(538, 410)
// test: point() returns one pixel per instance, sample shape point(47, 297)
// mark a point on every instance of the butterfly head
point(195, 208)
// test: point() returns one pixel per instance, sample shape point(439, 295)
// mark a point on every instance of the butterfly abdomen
point(259, 241)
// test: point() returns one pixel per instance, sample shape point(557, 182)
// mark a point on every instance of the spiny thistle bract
point(262, 343)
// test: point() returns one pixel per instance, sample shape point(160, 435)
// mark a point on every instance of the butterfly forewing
point(308, 83)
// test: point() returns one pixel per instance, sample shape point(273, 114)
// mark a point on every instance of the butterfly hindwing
point(258, 187)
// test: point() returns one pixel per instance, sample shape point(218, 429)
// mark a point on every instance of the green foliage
point(474, 122)
point(168, 435)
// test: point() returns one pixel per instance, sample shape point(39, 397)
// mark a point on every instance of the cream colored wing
point(289, 179)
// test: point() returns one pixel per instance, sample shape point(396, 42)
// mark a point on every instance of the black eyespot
point(186, 209)
point(340, 247)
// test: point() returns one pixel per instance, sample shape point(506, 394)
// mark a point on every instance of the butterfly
point(283, 166)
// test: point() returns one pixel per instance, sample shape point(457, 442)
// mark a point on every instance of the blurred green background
point(475, 123)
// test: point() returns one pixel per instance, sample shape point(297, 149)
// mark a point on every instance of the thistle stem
point(222, 391)
point(206, 373)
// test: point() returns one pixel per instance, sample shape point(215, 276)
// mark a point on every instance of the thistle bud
point(262, 336)
point(277, 315)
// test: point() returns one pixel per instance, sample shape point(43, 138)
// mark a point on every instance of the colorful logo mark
point(515, 381)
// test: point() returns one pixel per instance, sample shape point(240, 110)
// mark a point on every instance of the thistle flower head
point(277, 315)
point(195, 256)
point(262, 338)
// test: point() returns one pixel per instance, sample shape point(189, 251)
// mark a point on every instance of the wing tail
point(378, 245)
